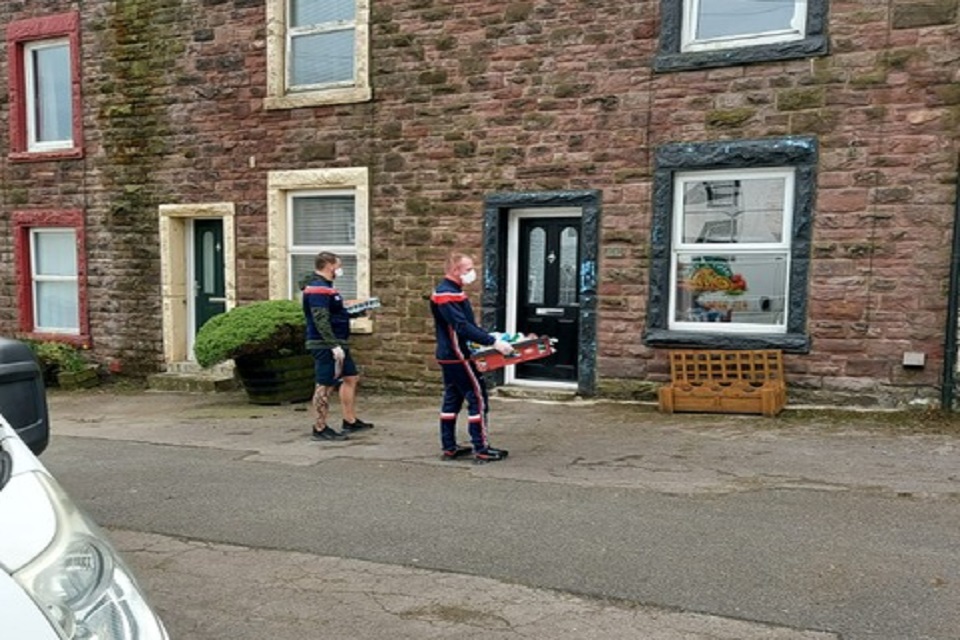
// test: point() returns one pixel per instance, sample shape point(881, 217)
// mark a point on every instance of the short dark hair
point(324, 258)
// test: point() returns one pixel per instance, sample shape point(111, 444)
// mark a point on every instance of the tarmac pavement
point(596, 444)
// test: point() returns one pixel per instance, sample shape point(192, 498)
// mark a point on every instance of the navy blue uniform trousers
point(462, 381)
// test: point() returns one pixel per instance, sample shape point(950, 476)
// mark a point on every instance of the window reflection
point(209, 269)
point(536, 261)
point(743, 288)
point(569, 243)
point(743, 211)
point(51, 94)
point(54, 276)
point(729, 18)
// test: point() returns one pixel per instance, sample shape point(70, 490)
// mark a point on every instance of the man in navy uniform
point(328, 331)
point(455, 327)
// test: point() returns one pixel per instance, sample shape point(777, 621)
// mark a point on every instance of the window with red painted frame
point(51, 275)
point(44, 86)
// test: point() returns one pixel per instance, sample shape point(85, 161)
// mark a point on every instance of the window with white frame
point(49, 95)
point(322, 221)
point(44, 87)
point(731, 244)
point(54, 280)
point(722, 24)
point(314, 210)
point(321, 41)
point(713, 33)
point(317, 52)
point(731, 250)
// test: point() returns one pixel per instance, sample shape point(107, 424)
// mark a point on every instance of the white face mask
point(337, 272)
point(469, 277)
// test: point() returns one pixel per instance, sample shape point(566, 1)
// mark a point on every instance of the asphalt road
point(863, 564)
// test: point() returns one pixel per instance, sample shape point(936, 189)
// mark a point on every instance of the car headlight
point(82, 584)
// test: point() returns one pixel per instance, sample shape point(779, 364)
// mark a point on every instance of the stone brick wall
point(477, 97)
point(539, 96)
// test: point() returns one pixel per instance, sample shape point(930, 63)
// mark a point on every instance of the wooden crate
point(714, 381)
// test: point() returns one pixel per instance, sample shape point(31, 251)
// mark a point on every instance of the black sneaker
point(327, 434)
point(453, 454)
point(358, 425)
point(490, 455)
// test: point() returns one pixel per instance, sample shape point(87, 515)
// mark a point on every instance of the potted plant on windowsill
point(265, 340)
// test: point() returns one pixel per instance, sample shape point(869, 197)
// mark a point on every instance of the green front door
point(208, 281)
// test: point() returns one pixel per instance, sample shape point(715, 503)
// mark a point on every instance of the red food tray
point(490, 359)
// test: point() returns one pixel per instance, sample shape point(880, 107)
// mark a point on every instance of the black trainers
point(327, 434)
point(358, 425)
point(490, 455)
point(453, 454)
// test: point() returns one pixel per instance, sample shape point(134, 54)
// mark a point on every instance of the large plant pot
point(276, 379)
point(83, 379)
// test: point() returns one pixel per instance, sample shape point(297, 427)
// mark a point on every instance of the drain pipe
point(947, 390)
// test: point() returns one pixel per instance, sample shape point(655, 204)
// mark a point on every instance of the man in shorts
point(328, 331)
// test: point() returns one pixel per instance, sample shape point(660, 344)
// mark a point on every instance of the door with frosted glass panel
point(548, 294)
point(210, 296)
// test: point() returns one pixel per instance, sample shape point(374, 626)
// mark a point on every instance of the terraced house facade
point(164, 160)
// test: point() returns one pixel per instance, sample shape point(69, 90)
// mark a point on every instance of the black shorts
point(325, 367)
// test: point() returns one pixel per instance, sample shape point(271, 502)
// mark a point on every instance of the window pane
point(569, 243)
point(301, 271)
point(324, 220)
point(726, 18)
point(57, 306)
point(745, 211)
point(746, 288)
point(309, 12)
point(322, 58)
point(52, 101)
point(54, 253)
point(536, 264)
point(209, 270)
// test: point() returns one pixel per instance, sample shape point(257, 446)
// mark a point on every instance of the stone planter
point(82, 379)
point(276, 379)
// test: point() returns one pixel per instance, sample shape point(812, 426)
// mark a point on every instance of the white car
point(60, 578)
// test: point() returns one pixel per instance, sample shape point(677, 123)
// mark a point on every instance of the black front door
point(208, 271)
point(548, 294)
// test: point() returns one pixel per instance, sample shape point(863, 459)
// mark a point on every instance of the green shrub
point(59, 356)
point(272, 326)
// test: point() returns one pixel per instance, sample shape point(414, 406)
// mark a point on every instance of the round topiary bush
point(259, 328)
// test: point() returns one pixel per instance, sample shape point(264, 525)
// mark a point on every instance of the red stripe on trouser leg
point(479, 436)
point(462, 383)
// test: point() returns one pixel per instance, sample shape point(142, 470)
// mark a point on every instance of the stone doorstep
point(190, 382)
point(190, 377)
point(187, 366)
point(535, 393)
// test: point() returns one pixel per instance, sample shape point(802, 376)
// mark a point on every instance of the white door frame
point(513, 263)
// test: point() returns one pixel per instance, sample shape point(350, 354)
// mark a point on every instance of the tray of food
point(525, 348)
point(356, 307)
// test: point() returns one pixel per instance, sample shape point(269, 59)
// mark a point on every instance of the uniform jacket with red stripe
point(455, 323)
point(328, 323)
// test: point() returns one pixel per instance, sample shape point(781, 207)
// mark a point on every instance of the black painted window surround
point(798, 152)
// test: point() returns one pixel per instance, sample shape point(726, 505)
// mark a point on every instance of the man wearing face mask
point(455, 326)
point(328, 330)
